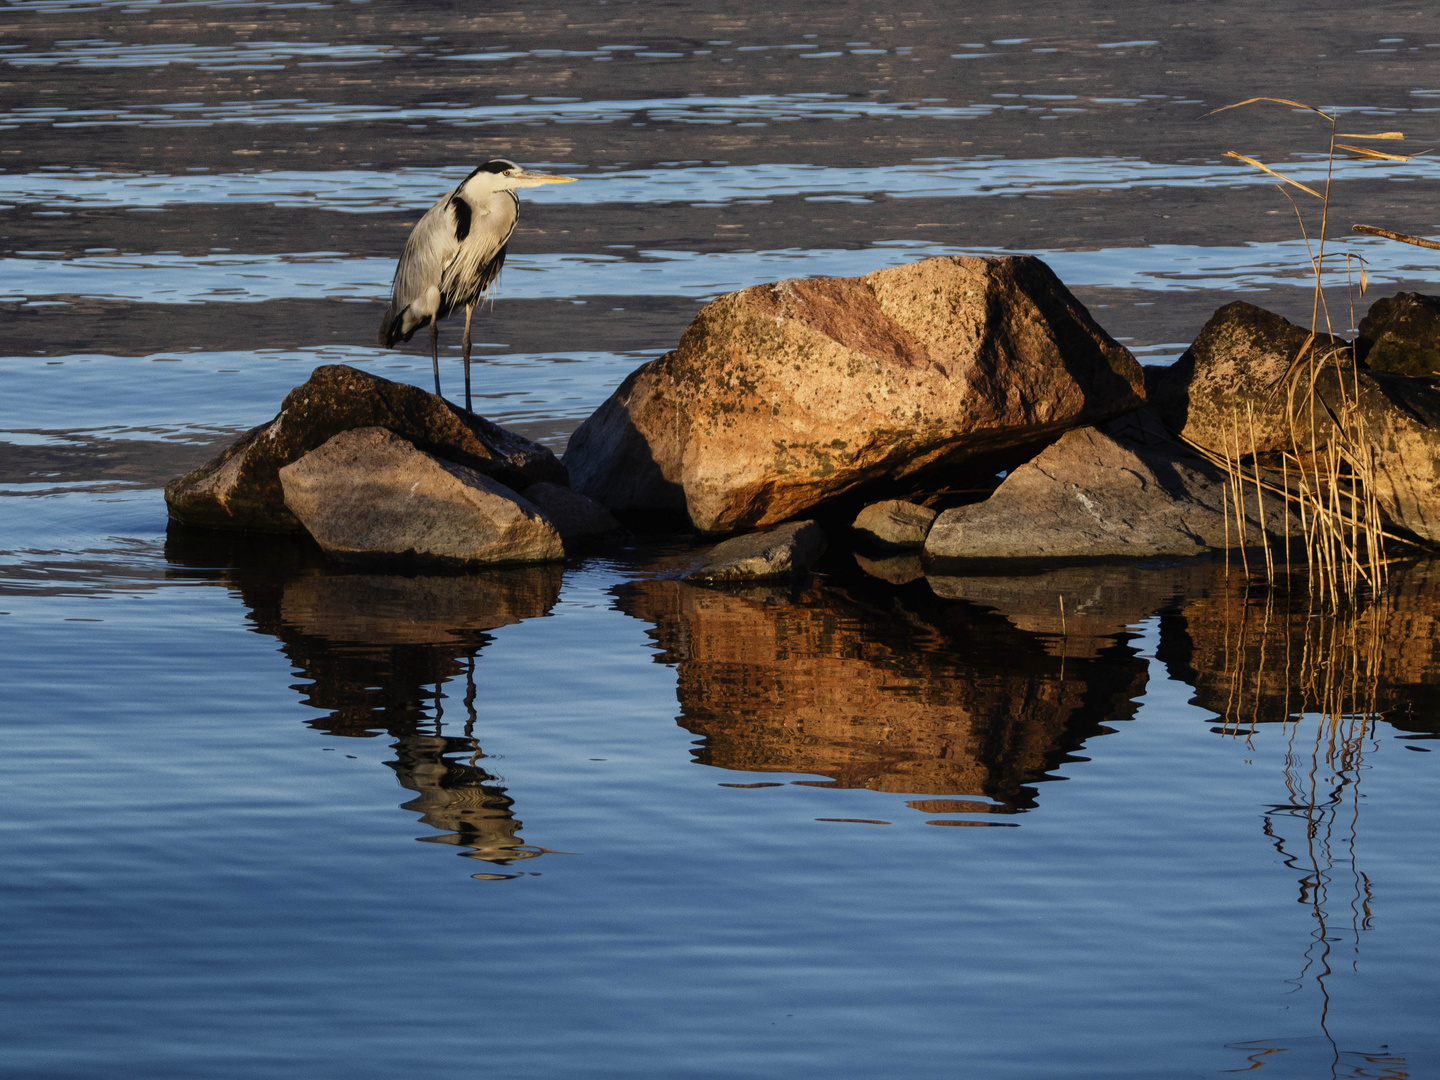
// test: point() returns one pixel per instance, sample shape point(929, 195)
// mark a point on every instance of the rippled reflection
point(376, 652)
point(1339, 685)
point(899, 695)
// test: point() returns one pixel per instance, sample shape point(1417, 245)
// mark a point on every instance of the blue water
point(203, 883)
point(263, 817)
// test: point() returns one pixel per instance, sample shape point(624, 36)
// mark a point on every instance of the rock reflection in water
point(1077, 611)
point(1262, 657)
point(376, 650)
point(892, 692)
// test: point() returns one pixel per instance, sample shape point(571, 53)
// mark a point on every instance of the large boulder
point(1230, 375)
point(369, 494)
point(1401, 334)
point(240, 489)
point(1231, 372)
point(1098, 495)
point(782, 397)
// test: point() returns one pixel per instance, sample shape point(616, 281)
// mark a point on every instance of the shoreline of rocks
point(966, 411)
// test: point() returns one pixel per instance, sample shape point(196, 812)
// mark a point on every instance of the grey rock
point(786, 551)
point(574, 515)
point(1091, 495)
point(240, 488)
point(1227, 375)
point(368, 493)
point(894, 523)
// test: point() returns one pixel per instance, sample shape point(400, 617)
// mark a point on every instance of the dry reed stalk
point(1260, 500)
point(1238, 492)
point(1285, 483)
point(1335, 479)
point(1218, 459)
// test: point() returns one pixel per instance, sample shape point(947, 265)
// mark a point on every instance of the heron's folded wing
point(431, 247)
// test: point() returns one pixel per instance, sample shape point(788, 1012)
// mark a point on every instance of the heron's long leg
point(435, 353)
point(469, 312)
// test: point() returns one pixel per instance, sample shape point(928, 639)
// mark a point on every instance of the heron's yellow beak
point(535, 179)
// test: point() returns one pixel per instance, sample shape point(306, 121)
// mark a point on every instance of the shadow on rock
point(374, 651)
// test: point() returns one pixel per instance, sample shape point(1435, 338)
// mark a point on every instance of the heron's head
point(503, 175)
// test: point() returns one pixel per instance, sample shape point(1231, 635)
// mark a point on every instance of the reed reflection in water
point(1333, 681)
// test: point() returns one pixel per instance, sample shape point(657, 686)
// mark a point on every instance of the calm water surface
point(883, 825)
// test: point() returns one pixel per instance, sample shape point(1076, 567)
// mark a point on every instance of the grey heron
point(454, 254)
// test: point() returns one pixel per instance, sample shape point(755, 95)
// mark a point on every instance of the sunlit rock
point(781, 397)
point(240, 488)
point(894, 523)
point(786, 551)
point(368, 493)
point(1226, 378)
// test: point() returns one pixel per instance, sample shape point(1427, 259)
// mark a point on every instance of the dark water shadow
point(375, 651)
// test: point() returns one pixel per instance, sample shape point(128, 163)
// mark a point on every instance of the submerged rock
point(1401, 334)
point(894, 523)
point(896, 569)
point(370, 494)
point(240, 489)
point(787, 551)
point(1093, 495)
point(1227, 376)
point(781, 397)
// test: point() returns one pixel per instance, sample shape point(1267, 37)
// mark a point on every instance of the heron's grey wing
point(429, 249)
point(421, 264)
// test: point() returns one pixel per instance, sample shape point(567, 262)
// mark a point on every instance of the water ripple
point(364, 191)
point(233, 278)
point(695, 109)
point(241, 56)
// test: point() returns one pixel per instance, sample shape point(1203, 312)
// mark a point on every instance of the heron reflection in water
point(454, 795)
point(454, 254)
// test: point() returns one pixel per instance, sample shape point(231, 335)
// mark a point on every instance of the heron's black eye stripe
point(462, 217)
